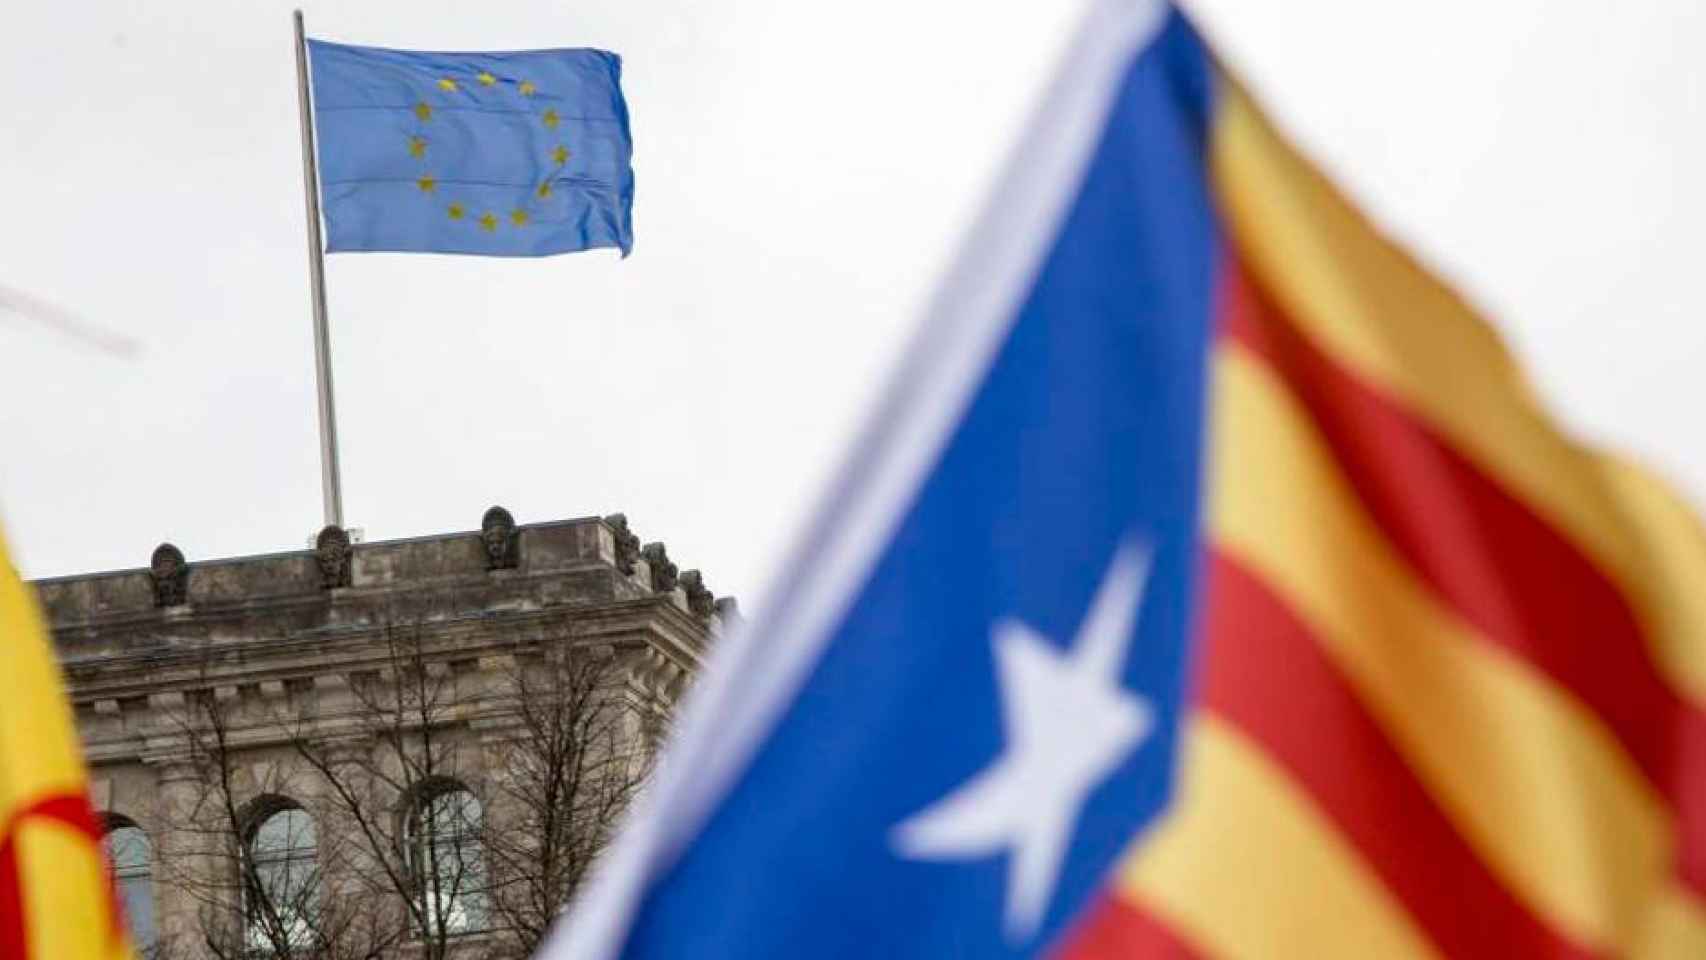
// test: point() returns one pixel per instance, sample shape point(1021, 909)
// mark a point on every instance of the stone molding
point(287, 644)
point(332, 550)
point(627, 543)
point(170, 575)
point(699, 598)
point(497, 536)
point(542, 550)
point(664, 573)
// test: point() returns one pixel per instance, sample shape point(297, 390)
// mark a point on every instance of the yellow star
point(551, 119)
point(545, 189)
point(488, 222)
point(527, 88)
point(518, 216)
point(426, 184)
point(561, 154)
point(417, 147)
point(423, 111)
point(447, 85)
point(456, 210)
point(487, 79)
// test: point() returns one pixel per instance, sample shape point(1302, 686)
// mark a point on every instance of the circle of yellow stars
point(418, 145)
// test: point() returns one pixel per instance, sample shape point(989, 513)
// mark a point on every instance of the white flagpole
point(331, 484)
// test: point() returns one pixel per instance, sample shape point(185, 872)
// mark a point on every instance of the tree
point(436, 799)
point(249, 855)
point(580, 749)
point(398, 768)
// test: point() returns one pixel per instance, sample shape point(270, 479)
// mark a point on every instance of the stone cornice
point(656, 622)
point(502, 568)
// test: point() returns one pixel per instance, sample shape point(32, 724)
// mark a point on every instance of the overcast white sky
point(803, 172)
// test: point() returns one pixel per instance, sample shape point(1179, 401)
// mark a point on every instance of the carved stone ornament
point(332, 552)
point(171, 575)
point(627, 544)
point(663, 572)
point(699, 599)
point(497, 534)
point(728, 609)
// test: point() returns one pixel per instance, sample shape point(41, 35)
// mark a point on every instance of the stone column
point(180, 853)
point(351, 880)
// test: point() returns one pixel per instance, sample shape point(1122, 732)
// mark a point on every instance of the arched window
point(281, 880)
point(443, 830)
point(132, 857)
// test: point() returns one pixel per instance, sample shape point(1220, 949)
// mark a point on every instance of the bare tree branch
point(456, 805)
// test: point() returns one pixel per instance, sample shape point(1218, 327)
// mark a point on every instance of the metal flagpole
point(331, 484)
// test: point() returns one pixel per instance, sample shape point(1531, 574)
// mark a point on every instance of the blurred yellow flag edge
point(56, 895)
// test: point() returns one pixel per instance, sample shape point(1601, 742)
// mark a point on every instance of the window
point(132, 857)
point(449, 870)
point(281, 882)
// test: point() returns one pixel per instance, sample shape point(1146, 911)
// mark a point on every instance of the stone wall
point(288, 634)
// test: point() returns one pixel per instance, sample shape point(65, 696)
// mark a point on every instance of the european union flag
point(519, 154)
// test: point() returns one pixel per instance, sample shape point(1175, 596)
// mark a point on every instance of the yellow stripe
point(1531, 777)
point(38, 744)
point(1669, 599)
point(1379, 314)
point(1673, 928)
point(66, 895)
point(1248, 867)
point(62, 881)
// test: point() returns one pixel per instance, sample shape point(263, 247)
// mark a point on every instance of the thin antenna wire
point(15, 302)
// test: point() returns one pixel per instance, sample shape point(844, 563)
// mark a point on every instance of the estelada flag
point(1209, 584)
point(56, 895)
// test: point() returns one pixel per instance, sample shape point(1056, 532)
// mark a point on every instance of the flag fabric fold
point(524, 153)
point(1405, 671)
point(56, 895)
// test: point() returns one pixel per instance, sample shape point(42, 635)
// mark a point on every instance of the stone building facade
point(265, 720)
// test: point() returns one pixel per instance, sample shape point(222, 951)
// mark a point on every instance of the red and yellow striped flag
point(56, 898)
point(1452, 694)
point(1441, 691)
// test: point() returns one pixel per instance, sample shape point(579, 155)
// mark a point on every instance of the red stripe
point(1502, 567)
point(1266, 674)
point(1112, 929)
point(69, 810)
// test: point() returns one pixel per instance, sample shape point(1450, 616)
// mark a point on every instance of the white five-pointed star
point(1068, 724)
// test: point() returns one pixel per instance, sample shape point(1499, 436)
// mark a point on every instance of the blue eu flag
point(520, 154)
